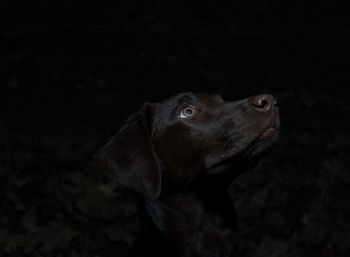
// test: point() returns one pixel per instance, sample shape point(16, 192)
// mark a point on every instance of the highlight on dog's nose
point(263, 102)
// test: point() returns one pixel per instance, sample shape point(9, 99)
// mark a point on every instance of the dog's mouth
point(269, 134)
point(249, 155)
point(271, 131)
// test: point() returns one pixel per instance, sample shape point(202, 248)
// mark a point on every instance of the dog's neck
point(202, 214)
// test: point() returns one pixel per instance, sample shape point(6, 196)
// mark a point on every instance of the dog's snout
point(263, 102)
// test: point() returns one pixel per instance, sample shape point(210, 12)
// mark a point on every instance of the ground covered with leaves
point(72, 73)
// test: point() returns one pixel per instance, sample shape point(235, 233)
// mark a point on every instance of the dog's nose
point(263, 102)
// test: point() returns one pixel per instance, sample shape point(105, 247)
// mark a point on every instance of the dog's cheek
point(180, 150)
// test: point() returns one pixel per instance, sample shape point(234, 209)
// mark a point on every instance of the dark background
point(71, 73)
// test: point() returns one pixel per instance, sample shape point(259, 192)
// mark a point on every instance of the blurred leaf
point(272, 247)
point(49, 238)
point(119, 233)
point(29, 220)
point(98, 201)
point(10, 242)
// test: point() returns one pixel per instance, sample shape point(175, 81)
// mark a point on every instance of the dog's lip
point(271, 131)
point(268, 133)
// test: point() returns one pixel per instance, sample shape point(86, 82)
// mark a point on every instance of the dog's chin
point(233, 167)
point(236, 165)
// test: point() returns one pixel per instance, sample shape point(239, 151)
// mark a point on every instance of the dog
point(180, 156)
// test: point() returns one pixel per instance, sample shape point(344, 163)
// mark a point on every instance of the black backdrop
point(72, 72)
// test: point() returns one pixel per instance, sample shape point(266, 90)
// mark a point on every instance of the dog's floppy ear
point(129, 156)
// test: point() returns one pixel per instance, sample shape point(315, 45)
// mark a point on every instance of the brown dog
point(180, 156)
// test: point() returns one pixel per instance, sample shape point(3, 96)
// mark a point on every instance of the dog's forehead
point(194, 99)
point(208, 99)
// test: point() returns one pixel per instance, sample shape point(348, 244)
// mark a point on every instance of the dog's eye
point(187, 112)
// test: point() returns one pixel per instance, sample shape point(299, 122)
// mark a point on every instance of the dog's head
point(173, 141)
